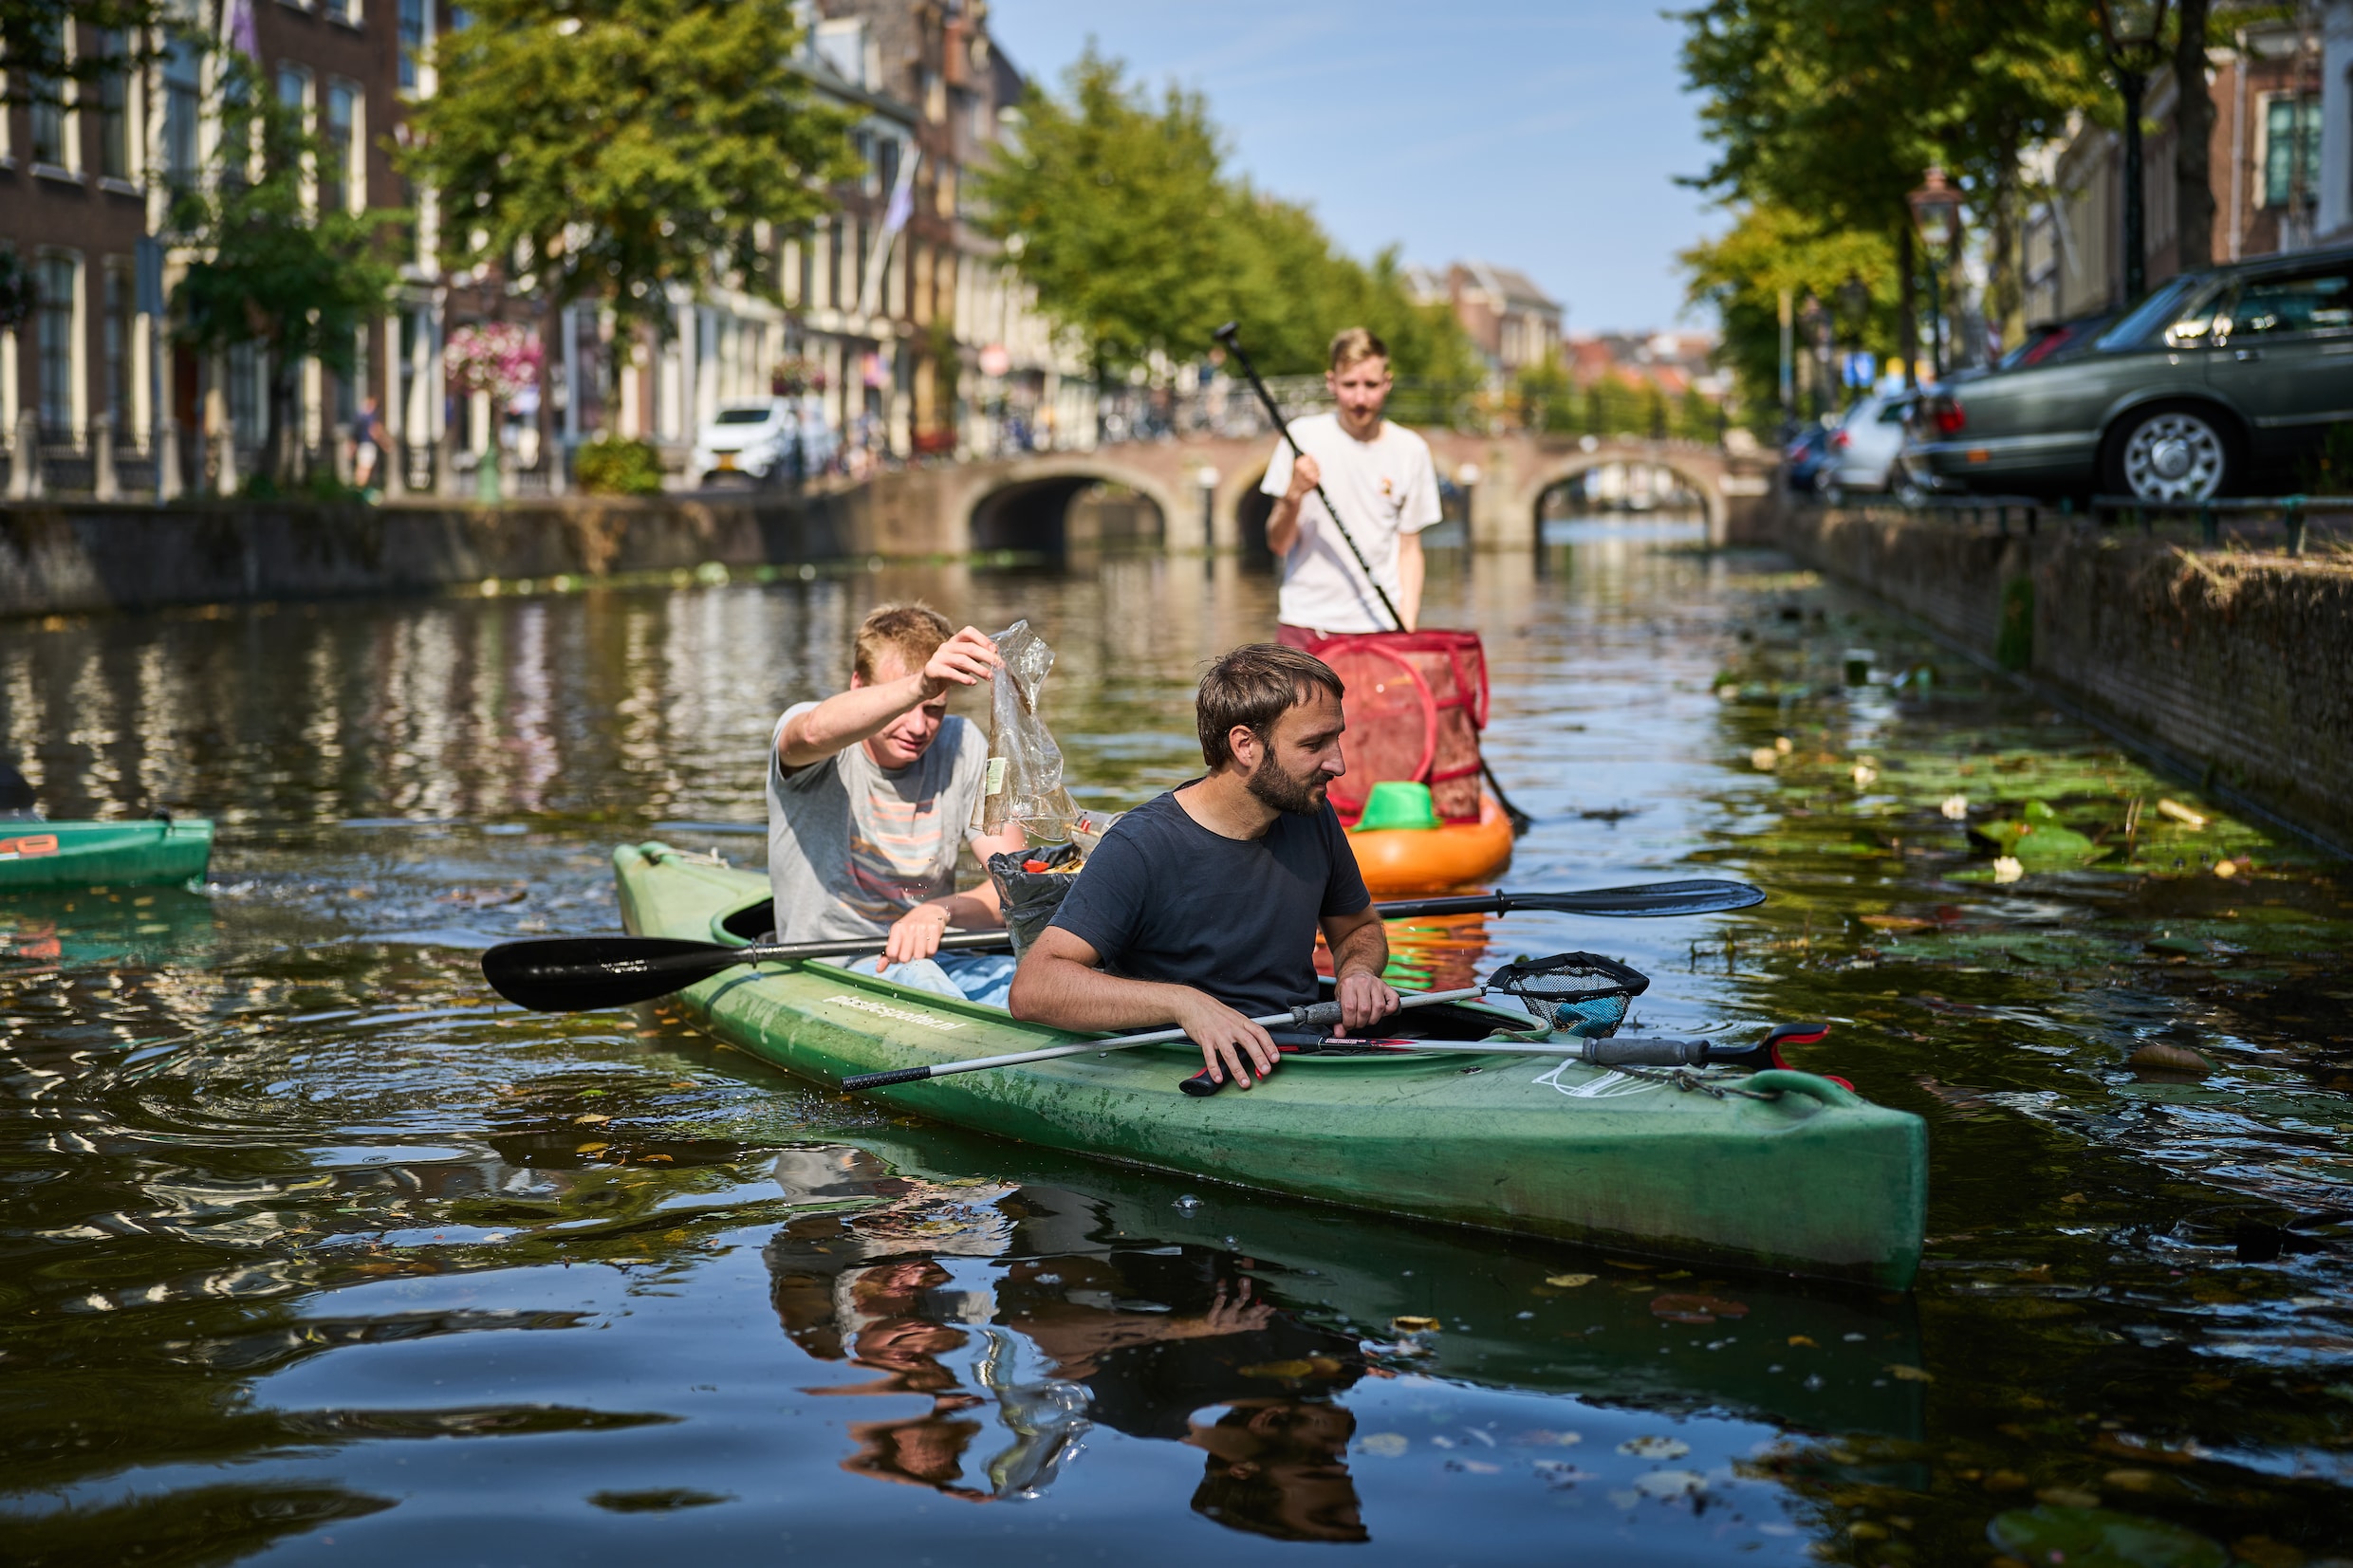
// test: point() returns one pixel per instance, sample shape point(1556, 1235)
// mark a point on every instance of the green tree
point(1116, 207)
point(40, 56)
point(270, 271)
point(1767, 249)
point(1834, 109)
point(1114, 210)
point(609, 149)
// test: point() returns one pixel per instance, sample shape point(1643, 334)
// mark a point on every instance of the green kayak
point(1812, 1180)
point(81, 855)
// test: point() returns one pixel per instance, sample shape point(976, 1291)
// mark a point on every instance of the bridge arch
point(1696, 467)
point(1027, 505)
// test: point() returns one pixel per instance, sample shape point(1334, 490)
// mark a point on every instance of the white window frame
point(355, 139)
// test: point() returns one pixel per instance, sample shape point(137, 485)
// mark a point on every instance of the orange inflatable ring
point(1427, 860)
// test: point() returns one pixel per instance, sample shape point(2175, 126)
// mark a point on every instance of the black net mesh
point(1580, 993)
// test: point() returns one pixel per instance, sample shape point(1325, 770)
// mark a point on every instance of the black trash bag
point(1029, 898)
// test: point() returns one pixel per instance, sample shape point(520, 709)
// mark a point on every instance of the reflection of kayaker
point(1156, 1343)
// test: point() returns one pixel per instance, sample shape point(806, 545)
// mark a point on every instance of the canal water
point(313, 1249)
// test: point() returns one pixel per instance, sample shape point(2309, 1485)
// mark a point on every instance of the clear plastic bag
point(1025, 766)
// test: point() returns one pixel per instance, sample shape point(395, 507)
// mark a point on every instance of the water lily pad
point(2099, 1538)
point(1654, 1447)
point(2038, 841)
point(1670, 1484)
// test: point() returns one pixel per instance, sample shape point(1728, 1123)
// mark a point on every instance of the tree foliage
point(1770, 248)
point(41, 58)
point(1824, 115)
point(268, 270)
point(611, 150)
point(1115, 206)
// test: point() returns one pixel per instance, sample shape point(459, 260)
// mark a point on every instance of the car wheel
point(2173, 452)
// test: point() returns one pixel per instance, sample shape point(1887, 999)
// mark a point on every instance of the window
point(118, 305)
point(345, 11)
point(114, 121)
point(243, 388)
point(412, 41)
point(337, 145)
point(55, 341)
point(2291, 151)
point(2319, 302)
point(182, 98)
point(294, 96)
point(49, 108)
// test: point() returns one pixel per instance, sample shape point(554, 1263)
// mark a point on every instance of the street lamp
point(2133, 30)
point(1817, 320)
point(1936, 210)
point(1854, 298)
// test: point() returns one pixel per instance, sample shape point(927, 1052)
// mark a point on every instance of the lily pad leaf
point(2099, 1538)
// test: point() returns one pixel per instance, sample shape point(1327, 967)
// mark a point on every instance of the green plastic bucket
point(1395, 804)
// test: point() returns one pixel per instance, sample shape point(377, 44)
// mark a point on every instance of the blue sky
point(1546, 136)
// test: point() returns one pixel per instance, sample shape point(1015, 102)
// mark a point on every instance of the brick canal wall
point(79, 557)
point(2234, 666)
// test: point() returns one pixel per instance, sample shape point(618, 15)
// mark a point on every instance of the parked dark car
point(1802, 459)
point(2219, 382)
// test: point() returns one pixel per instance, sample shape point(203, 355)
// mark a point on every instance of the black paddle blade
point(1652, 898)
point(571, 974)
point(1649, 899)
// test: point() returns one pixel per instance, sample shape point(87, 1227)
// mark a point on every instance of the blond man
point(1381, 477)
point(871, 794)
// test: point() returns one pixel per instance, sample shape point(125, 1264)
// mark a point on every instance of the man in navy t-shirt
point(1202, 905)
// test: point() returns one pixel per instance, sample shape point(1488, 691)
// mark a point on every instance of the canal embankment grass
point(2229, 666)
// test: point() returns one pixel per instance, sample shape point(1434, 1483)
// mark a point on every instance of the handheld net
point(1579, 993)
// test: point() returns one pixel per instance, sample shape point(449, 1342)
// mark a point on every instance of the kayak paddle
point(573, 974)
point(1613, 1051)
point(1566, 990)
point(570, 974)
point(1231, 335)
point(1320, 1015)
point(1647, 900)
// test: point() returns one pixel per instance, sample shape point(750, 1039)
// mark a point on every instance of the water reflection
point(297, 1221)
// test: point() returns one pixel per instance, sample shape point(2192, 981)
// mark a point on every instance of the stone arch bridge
point(1203, 490)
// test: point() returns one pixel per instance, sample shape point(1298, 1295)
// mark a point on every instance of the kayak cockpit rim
point(755, 920)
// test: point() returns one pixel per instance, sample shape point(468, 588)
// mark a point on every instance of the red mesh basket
point(1417, 702)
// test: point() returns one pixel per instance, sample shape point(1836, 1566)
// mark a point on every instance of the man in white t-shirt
point(870, 796)
point(1381, 477)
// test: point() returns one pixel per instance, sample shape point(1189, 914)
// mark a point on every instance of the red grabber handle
point(1767, 1052)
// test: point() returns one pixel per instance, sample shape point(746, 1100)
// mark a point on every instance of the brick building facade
point(921, 338)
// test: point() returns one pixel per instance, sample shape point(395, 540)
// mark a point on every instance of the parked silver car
point(1867, 449)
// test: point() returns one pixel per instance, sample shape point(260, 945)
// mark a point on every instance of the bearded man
point(1200, 907)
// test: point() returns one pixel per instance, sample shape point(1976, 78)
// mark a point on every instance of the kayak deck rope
point(1691, 1083)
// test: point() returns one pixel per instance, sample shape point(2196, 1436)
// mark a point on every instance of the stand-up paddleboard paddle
point(570, 974)
point(1231, 335)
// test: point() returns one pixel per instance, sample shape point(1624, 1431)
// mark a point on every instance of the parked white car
point(753, 439)
point(1867, 449)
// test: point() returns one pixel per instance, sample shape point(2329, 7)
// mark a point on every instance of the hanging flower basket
point(498, 358)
